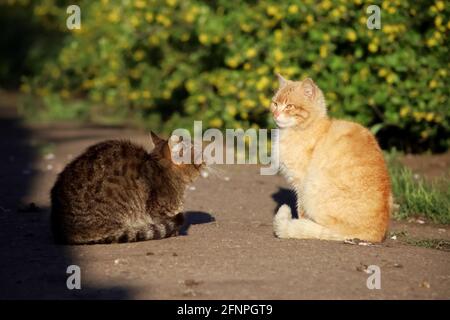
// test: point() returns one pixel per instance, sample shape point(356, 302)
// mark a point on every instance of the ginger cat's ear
point(309, 88)
point(281, 80)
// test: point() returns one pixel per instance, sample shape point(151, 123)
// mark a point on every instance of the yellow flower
point(431, 42)
point(232, 89)
point(418, 116)
point(245, 27)
point(162, 19)
point(433, 84)
point(424, 134)
point(351, 35)
point(201, 98)
point(440, 5)
point(293, 9)
point(373, 47)
point(326, 4)
point(262, 84)
point(278, 55)
point(203, 38)
point(247, 103)
point(153, 40)
point(278, 35)
point(382, 72)
point(323, 51)
point(272, 10)
point(231, 110)
point(232, 62)
point(149, 17)
point(166, 94)
point(404, 111)
point(309, 19)
point(171, 3)
point(247, 66)
point(139, 4)
point(139, 55)
point(191, 85)
point(114, 16)
point(189, 17)
point(429, 117)
point(264, 100)
point(134, 95)
point(146, 94)
point(250, 53)
point(391, 78)
point(438, 21)
point(335, 13)
point(216, 123)
point(134, 21)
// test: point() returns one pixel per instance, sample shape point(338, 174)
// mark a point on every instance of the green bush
point(169, 62)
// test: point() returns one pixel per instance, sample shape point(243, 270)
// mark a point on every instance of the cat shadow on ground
point(286, 196)
point(194, 217)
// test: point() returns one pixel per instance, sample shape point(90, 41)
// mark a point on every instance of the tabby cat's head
point(297, 103)
point(162, 152)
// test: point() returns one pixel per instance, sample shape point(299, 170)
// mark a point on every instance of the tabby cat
point(336, 168)
point(118, 192)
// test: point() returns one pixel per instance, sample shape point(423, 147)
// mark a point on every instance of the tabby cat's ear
point(281, 80)
point(155, 139)
point(309, 88)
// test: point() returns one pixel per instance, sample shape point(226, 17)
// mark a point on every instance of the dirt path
point(228, 252)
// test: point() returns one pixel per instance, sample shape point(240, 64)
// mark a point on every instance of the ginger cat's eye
point(290, 106)
point(275, 104)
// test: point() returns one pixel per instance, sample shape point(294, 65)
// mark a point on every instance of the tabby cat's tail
point(165, 229)
point(286, 227)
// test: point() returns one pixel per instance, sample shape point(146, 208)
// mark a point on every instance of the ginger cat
point(336, 168)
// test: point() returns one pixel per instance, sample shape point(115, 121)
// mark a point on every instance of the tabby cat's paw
point(281, 221)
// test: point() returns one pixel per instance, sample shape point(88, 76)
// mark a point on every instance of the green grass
point(418, 197)
point(437, 244)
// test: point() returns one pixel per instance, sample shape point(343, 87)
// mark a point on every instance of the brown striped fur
point(118, 192)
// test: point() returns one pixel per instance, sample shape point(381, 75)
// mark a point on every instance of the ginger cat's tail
point(286, 227)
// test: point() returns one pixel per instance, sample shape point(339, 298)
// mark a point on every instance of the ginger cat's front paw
point(281, 221)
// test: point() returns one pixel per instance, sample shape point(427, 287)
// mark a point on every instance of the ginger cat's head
point(297, 103)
